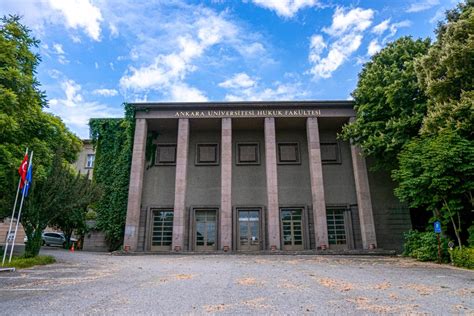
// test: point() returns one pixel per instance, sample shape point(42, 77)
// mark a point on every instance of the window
point(165, 154)
point(336, 227)
point(207, 154)
point(248, 154)
point(288, 153)
point(90, 161)
point(162, 229)
point(330, 153)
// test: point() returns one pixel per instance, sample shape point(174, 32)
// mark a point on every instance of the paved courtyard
point(89, 283)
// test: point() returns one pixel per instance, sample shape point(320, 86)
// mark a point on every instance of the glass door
point(162, 230)
point(292, 228)
point(249, 230)
point(206, 230)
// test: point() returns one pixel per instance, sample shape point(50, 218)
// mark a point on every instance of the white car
point(56, 239)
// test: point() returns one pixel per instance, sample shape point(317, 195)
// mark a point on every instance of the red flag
point(22, 170)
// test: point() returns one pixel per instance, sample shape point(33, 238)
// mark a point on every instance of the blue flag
point(29, 176)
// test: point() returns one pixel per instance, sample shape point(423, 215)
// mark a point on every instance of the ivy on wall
point(113, 142)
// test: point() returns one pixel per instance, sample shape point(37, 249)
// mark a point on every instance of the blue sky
point(98, 54)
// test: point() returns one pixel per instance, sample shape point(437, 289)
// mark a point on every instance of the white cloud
point(240, 80)
point(346, 37)
point(80, 14)
point(355, 20)
point(373, 48)
point(59, 51)
point(422, 5)
point(381, 27)
point(167, 72)
point(73, 14)
point(394, 28)
point(181, 92)
point(76, 112)
point(286, 8)
point(105, 92)
point(243, 88)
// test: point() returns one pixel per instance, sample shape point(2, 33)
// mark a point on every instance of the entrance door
point(292, 228)
point(162, 230)
point(248, 230)
point(205, 238)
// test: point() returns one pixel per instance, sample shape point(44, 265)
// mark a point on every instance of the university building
point(255, 176)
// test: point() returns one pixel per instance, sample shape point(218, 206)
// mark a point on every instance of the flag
point(22, 170)
point(29, 176)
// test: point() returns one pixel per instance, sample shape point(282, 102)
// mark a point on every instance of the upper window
point(248, 154)
point(165, 154)
point(330, 153)
point(90, 161)
point(288, 153)
point(207, 154)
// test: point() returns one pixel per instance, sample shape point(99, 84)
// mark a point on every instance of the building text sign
point(247, 113)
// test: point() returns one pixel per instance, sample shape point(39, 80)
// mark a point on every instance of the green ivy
point(113, 142)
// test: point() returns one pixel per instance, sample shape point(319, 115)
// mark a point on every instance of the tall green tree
point(79, 193)
point(59, 199)
point(23, 123)
point(389, 102)
point(437, 168)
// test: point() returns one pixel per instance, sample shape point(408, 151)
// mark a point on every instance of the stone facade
point(255, 176)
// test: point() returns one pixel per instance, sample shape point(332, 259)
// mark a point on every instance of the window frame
point(87, 161)
point(298, 153)
point(171, 163)
point(197, 161)
point(238, 162)
point(338, 159)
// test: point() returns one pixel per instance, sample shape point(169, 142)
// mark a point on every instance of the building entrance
point(248, 229)
point(162, 230)
point(292, 228)
point(205, 227)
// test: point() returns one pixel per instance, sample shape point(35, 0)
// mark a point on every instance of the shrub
point(423, 246)
point(470, 240)
point(463, 257)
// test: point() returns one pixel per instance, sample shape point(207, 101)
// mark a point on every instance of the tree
point(23, 123)
point(78, 195)
point(60, 199)
point(389, 102)
point(436, 172)
point(436, 169)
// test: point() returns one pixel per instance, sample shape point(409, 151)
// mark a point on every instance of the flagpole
point(19, 212)
point(11, 218)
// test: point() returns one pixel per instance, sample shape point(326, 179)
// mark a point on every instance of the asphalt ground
point(94, 283)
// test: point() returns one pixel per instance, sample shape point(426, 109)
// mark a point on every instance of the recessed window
point(248, 154)
point(207, 154)
point(336, 227)
point(330, 153)
point(165, 154)
point(90, 161)
point(288, 153)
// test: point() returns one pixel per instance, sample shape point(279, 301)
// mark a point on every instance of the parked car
point(55, 239)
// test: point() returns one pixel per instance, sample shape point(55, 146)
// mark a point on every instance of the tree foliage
point(437, 173)
point(23, 123)
point(389, 103)
point(437, 168)
point(60, 199)
point(113, 139)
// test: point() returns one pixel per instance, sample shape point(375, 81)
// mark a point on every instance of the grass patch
point(23, 263)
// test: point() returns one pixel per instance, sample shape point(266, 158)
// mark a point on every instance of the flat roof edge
point(167, 105)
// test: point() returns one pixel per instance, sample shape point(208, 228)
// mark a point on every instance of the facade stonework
point(255, 176)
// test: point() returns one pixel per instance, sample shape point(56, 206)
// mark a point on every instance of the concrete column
point(179, 219)
point(272, 185)
point(137, 169)
point(226, 185)
point(317, 184)
point(364, 202)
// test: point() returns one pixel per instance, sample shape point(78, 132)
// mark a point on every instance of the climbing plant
point(113, 141)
